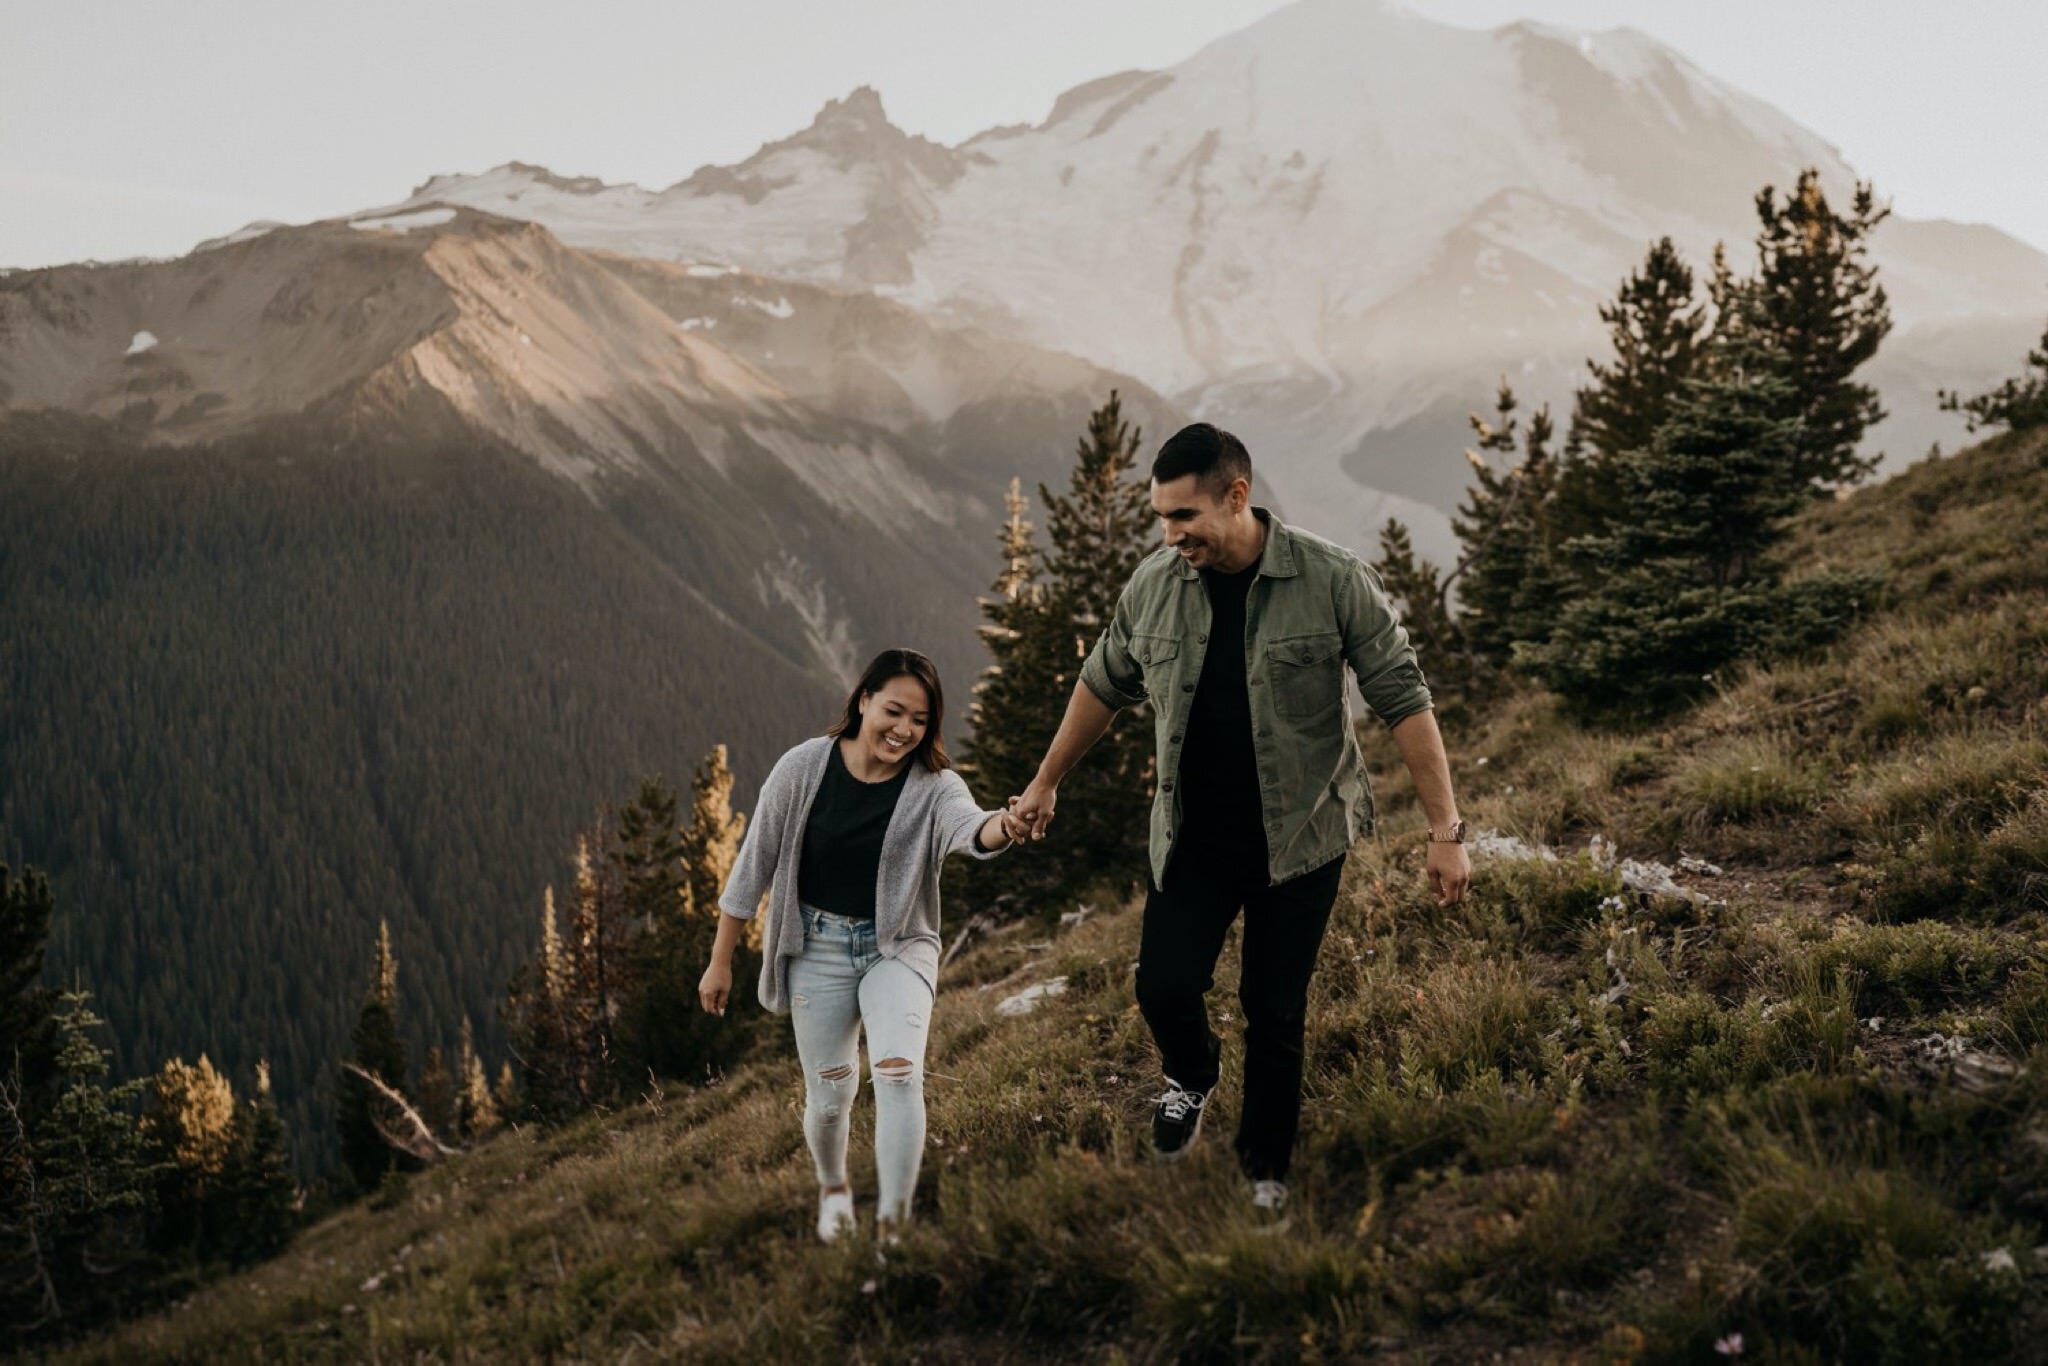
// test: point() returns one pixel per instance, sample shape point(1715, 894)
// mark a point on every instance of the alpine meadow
point(401, 615)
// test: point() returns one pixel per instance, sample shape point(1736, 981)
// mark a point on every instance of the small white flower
point(1730, 1346)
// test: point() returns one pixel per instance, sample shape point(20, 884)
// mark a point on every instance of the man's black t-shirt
point(842, 854)
point(1219, 772)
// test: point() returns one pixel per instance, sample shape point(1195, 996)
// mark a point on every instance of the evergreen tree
point(2018, 404)
point(1657, 327)
point(1416, 589)
point(1810, 317)
point(476, 1112)
point(374, 1046)
point(711, 844)
point(1508, 581)
point(1686, 583)
point(1099, 530)
point(259, 1193)
point(657, 1037)
point(541, 1024)
point(1017, 704)
point(76, 1181)
point(505, 1098)
point(649, 856)
point(28, 1030)
point(586, 1021)
point(188, 1129)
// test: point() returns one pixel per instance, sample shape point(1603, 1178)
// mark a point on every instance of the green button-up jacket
point(1315, 612)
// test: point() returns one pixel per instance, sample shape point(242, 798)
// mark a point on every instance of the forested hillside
point(257, 697)
point(1781, 1098)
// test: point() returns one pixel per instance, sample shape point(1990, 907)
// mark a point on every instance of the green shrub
point(1916, 967)
point(1864, 1264)
point(1697, 1045)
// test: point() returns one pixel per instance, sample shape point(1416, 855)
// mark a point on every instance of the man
point(1239, 631)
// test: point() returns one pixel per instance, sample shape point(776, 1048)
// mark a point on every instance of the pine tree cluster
point(1625, 571)
point(1041, 617)
point(609, 1007)
point(160, 1179)
point(2018, 404)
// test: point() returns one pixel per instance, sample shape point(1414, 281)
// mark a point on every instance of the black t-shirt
point(1219, 773)
point(842, 854)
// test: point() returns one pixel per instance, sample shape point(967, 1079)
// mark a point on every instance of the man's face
point(1193, 519)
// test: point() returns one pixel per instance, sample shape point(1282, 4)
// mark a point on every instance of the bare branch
point(397, 1122)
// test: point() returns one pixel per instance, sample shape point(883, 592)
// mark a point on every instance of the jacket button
point(1187, 687)
point(1166, 786)
point(1201, 640)
point(1174, 741)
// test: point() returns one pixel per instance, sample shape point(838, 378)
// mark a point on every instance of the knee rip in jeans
point(835, 1078)
point(895, 1071)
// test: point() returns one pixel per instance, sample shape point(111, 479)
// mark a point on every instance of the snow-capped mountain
point(1330, 229)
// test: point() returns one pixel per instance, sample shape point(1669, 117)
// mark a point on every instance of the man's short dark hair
point(1212, 455)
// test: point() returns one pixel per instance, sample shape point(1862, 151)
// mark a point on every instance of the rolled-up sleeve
point(1378, 649)
point(1110, 672)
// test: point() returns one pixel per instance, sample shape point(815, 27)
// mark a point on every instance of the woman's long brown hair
point(901, 664)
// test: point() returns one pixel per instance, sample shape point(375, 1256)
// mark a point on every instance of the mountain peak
point(849, 133)
point(862, 106)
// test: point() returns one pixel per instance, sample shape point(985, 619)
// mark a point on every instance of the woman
point(847, 840)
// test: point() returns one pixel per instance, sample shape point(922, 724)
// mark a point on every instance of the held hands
point(1014, 830)
point(714, 989)
point(1032, 812)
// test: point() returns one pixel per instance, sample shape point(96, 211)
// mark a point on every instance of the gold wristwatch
point(1456, 835)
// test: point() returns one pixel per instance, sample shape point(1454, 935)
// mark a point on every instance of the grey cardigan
point(935, 816)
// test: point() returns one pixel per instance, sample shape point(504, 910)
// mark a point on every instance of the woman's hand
point(1014, 830)
point(714, 989)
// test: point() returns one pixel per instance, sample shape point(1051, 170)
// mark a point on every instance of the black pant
point(1185, 922)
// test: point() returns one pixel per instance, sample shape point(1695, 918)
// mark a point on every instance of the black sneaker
point(1177, 1121)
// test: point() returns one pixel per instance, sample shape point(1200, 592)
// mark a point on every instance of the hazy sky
point(139, 128)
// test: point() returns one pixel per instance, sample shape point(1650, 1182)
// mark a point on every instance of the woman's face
point(893, 720)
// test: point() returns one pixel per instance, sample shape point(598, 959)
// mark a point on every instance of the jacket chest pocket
point(1155, 655)
point(1307, 673)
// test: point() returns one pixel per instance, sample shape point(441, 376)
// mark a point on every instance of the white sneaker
point(1269, 1205)
point(835, 1214)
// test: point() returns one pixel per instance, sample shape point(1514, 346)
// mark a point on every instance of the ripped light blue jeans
point(839, 984)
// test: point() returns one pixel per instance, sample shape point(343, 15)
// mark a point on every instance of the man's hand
point(1033, 810)
point(1450, 872)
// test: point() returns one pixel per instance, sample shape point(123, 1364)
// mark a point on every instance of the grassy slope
point(1505, 1148)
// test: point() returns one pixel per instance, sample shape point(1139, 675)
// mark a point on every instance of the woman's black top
point(842, 854)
